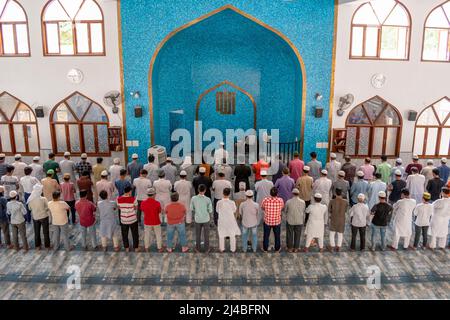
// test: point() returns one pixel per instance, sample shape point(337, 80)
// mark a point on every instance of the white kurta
point(375, 187)
point(316, 222)
point(163, 189)
point(184, 189)
point(323, 186)
point(440, 218)
point(227, 225)
point(333, 168)
point(416, 186)
point(403, 213)
point(423, 213)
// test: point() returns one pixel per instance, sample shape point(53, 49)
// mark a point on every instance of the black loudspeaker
point(412, 116)
point(318, 113)
point(39, 112)
point(138, 111)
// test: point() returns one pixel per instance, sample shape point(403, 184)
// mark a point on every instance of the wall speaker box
point(412, 116)
point(318, 113)
point(138, 111)
point(39, 112)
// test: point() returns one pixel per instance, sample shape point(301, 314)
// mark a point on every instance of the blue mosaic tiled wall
point(308, 24)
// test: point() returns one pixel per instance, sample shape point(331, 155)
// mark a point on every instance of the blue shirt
point(121, 185)
point(444, 172)
point(360, 186)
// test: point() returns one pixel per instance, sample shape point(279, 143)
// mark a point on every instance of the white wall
point(39, 80)
point(411, 85)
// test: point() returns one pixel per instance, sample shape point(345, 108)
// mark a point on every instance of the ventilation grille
point(226, 102)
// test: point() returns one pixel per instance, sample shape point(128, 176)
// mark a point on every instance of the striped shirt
point(127, 206)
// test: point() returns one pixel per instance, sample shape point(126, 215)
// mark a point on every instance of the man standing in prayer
point(285, 185)
point(435, 185)
point(342, 184)
point(276, 168)
point(427, 171)
point(304, 185)
point(106, 185)
point(202, 209)
point(398, 166)
point(176, 215)
point(440, 219)
point(4, 220)
point(187, 167)
point(83, 165)
point(359, 186)
point(40, 213)
point(16, 212)
point(337, 210)
point(26, 184)
point(85, 183)
point(225, 168)
point(374, 188)
point(98, 169)
point(315, 166)
point(220, 153)
point(114, 170)
point(49, 185)
point(260, 166)
point(163, 189)
point(141, 185)
point(59, 211)
point(19, 166)
point(242, 173)
point(272, 207)
point(152, 168)
point(86, 212)
point(170, 170)
point(218, 187)
point(3, 164)
point(333, 167)
point(51, 164)
point(185, 190)
point(152, 223)
point(68, 166)
point(381, 214)
point(295, 218)
point(368, 169)
point(385, 169)
point(226, 224)
point(396, 187)
point(38, 170)
point(444, 170)
point(296, 167)
point(315, 227)
point(422, 214)
point(128, 219)
point(134, 167)
point(262, 189)
point(414, 164)
point(350, 170)
point(403, 218)
point(202, 179)
point(415, 183)
point(323, 186)
point(68, 195)
point(359, 217)
point(109, 224)
point(249, 211)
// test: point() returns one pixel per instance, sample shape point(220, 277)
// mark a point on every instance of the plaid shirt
point(83, 166)
point(272, 207)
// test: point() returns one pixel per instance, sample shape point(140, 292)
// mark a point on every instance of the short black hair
point(103, 194)
point(313, 154)
point(28, 170)
point(405, 191)
point(123, 172)
point(174, 196)
point(201, 188)
point(99, 160)
point(83, 193)
point(274, 192)
point(56, 195)
point(378, 175)
point(383, 158)
point(436, 171)
point(151, 158)
point(226, 192)
point(51, 155)
point(85, 173)
point(338, 191)
point(127, 189)
point(414, 169)
point(9, 168)
point(317, 199)
point(221, 174)
point(143, 171)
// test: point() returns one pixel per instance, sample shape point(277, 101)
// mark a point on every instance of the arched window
point(14, 39)
point(436, 35)
point(373, 129)
point(73, 27)
point(432, 133)
point(79, 125)
point(18, 127)
point(380, 30)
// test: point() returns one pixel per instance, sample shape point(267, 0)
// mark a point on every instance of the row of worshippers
point(121, 215)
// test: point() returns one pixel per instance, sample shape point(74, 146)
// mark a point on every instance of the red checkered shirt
point(272, 207)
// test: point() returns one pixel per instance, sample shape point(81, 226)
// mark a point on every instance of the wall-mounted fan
point(113, 100)
point(345, 102)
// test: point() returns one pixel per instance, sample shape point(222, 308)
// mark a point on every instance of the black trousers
point(4, 227)
point(44, 223)
point(277, 234)
point(134, 227)
point(293, 235)
point(72, 211)
point(424, 232)
point(362, 237)
point(199, 227)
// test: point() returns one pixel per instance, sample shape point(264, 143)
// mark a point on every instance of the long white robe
point(227, 225)
point(333, 168)
point(323, 186)
point(375, 187)
point(163, 189)
point(185, 191)
point(440, 218)
point(403, 216)
point(315, 227)
point(416, 186)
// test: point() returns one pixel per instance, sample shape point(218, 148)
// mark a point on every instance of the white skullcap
point(398, 172)
point(134, 156)
point(37, 158)
point(361, 196)
point(318, 195)
point(306, 168)
point(202, 170)
point(116, 160)
point(66, 154)
point(18, 156)
point(295, 191)
point(83, 156)
point(324, 171)
point(399, 161)
point(263, 172)
point(2, 155)
point(333, 155)
point(360, 174)
point(183, 173)
point(12, 194)
point(430, 161)
point(444, 160)
point(415, 157)
point(104, 173)
point(249, 193)
point(341, 173)
point(382, 194)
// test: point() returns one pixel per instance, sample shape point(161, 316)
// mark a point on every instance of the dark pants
point(72, 211)
point(199, 227)
point(362, 237)
point(424, 232)
point(216, 214)
point(44, 223)
point(4, 226)
point(134, 233)
point(19, 230)
point(26, 195)
point(277, 234)
point(139, 212)
point(293, 235)
point(307, 203)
